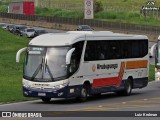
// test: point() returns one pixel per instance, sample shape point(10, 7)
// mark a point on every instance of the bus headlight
point(158, 74)
point(25, 84)
point(60, 86)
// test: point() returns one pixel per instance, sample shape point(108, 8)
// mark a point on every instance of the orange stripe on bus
point(136, 64)
point(112, 81)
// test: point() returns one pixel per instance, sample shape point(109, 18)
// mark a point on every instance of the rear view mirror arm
point(19, 54)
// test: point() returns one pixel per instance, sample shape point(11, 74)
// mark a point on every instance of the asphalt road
point(146, 99)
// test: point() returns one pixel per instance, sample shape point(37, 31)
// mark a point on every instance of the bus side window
point(125, 49)
point(76, 56)
point(114, 50)
point(90, 51)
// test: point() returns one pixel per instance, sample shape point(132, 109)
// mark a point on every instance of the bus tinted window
point(90, 51)
point(115, 49)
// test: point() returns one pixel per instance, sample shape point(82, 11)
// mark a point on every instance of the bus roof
point(71, 37)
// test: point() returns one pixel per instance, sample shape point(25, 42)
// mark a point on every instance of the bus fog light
point(60, 94)
point(71, 90)
point(25, 92)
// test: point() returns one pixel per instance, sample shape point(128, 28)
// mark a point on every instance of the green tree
point(98, 6)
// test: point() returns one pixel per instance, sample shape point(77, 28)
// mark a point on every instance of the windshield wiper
point(41, 67)
point(37, 70)
point(49, 71)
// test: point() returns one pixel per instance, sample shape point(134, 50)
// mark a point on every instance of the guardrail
point(93, 23)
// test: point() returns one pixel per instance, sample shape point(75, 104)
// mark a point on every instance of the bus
point(155, 52)
point(78, 64)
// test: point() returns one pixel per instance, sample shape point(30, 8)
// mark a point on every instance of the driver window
point(76, 56)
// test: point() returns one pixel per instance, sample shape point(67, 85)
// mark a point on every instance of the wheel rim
point(83, 93)
point(129, 88)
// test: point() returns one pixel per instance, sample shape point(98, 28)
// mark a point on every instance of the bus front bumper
point(65, 92)
point(61, 93)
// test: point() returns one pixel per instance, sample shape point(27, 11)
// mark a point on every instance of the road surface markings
point(133, 104)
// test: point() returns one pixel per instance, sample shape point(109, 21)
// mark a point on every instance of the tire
point(83, 94)
point(45, 99)
point(127, 90)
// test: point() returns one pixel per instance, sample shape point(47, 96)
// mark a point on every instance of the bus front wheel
point(83, 94)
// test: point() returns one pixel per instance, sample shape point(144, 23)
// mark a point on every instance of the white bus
point(78, 64)
point(155, 52)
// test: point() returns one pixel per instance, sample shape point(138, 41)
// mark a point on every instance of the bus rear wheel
point(127, 90)
point(44, 99)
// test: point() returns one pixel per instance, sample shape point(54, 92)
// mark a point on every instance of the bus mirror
point(152, 50)
point(68, 56)
point(19, 53)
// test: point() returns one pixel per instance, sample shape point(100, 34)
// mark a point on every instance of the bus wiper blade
point(49, 72)
point(36, 72)
point(47, 67)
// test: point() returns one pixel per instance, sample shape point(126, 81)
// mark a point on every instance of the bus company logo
point(107, 66)
point(94, 68)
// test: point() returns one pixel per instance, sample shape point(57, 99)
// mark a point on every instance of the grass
point(10, 71)
point(123, 17)
point(151, 72)
point(116, 5)
point(127, 17)
point(125, 11)
point(58, 12)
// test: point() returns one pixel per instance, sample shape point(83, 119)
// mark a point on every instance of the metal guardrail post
point(92, 23)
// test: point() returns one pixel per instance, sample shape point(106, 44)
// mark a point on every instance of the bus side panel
point(140, 82)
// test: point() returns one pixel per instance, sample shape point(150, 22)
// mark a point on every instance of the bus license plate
point(41, 94)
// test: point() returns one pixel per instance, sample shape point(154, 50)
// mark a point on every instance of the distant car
point(18, 29)
point(84, 28)
point(10, 27)
point(39, 32)
point(28, 32)
point(14, 29)
point(3, 25)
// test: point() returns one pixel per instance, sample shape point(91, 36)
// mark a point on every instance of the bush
point(59, 12)
point(106, 15)
point(98, 6)
point(3, 8)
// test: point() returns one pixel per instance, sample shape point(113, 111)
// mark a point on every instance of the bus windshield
point(45, 64)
